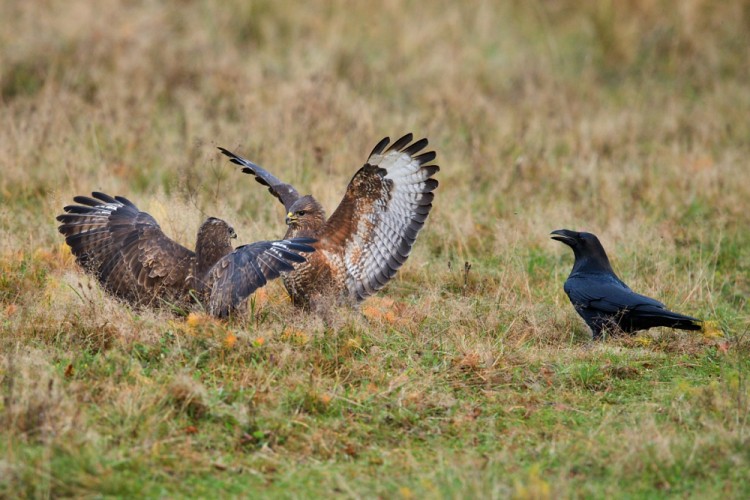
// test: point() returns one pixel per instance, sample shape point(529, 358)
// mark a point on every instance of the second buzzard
point(134, 260)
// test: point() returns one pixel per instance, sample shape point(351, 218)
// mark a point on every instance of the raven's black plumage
point(603, 300)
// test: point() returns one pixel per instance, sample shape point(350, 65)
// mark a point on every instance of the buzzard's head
point(306, 213)
point(217, 232)
point(214, 242)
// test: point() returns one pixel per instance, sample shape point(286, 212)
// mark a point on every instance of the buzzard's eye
point(301, 212)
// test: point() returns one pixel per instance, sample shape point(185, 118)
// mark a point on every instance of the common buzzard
point(133, 259)
point(370, 235)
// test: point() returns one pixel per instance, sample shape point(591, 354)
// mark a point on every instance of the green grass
point(470, 375)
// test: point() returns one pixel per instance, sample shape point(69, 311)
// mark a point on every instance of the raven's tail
point(664, 317)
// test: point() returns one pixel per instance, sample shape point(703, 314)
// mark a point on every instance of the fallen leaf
point(644, 341)
point(194, 319)
point(325, 398)
point(711, 330)
point(723, 347)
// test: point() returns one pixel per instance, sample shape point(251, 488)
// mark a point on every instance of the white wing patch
point(385, 234)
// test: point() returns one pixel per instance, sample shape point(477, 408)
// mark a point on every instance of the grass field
point(627, 119)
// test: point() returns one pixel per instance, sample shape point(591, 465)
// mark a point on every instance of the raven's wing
point(284, 192)
point(599, 296)
point(125, 248)
point(606, 294)
point(385, 206)
point(231, 280)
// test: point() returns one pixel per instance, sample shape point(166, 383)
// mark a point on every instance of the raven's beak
point(290, 217)
point(565, 235)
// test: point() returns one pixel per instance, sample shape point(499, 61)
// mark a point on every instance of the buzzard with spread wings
point(371, 233)
point(134, 260)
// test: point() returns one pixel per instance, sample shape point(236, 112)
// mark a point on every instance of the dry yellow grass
point(625, 119)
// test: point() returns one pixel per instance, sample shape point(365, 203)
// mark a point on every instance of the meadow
point(470, 375)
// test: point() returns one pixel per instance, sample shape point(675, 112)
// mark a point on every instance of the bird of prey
point(371, 233)
point(603, 300)
point(134, 260)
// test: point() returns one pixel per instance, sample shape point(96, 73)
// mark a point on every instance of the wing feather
point(383, 210)
point(285, 193)
point(238, 274)
point(380, 147)
point(125, 248)
point(108, 199)
point(399, 144)
point(606, 296)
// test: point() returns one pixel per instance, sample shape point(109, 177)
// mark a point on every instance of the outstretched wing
point(284, 192)
point(238, 274)
point(125, 248)
point(385, 206)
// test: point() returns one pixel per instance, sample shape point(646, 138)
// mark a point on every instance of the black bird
point(603, 300)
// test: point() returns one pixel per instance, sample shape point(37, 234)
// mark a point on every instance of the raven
point(603, 300)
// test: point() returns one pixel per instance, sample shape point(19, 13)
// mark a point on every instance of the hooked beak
point(564, 235)
point(290, 218)
point(232, 234)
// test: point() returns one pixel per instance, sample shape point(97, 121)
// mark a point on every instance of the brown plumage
point(371, 233)
point(134, 260)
